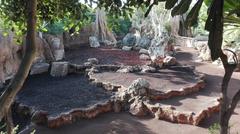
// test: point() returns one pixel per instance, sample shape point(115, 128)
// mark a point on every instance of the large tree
point(25, 16)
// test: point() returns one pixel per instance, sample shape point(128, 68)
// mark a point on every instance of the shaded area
point(57, 95)
point(120, 123)
point(105, 55)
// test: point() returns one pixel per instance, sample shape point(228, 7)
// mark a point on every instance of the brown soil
point(105, 55)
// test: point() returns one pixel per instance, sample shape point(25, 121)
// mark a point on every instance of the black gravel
point(62, 94)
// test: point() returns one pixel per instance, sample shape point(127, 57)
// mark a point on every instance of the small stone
point(170, 61)
point(39, 68)
point(87, 64)
point(144, 57)
point(143, 51)
point(177, 48)
point(129, 69)
point(93, 61)
point(148, 69)
point(59, 69)
point(126, 48)
point(94, 42)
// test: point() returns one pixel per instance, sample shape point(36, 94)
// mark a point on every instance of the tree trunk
point(17, 82)
point(226, 109)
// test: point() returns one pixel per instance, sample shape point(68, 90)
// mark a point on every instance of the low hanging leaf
point(181, 8)
point(214, 25)
point(192, 17)
point(170, 4)
point(148, 11)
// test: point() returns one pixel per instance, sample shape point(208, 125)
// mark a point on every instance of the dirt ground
point(105, 55)
point(123, 123)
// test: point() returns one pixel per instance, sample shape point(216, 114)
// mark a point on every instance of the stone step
point(190, 109)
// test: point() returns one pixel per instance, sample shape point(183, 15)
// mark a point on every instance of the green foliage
point(14, 14)
point(181, 8)
point(214, 129)
point(119, 25)
point(55, 28)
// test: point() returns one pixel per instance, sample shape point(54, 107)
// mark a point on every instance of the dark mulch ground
point(57, 95)
point(106, 55)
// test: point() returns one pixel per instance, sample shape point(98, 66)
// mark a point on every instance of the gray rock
point(144, 57)
point(139, 87)
point(143, 51)
point(59, 54)
point(138, 108)
point(93, 61)
point(39, 68)
point(59, 69)
point(56, 43)
point(129, 40)
point(129, 69)
point(148, 69)
point(144, 42)
point(88, 64)
point(94, 42)
point(126, 48)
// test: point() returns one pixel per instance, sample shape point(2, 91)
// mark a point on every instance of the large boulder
point(9, 57)
point(144, 42)
point(93, 41)
point(157, 48)
point(129, 40)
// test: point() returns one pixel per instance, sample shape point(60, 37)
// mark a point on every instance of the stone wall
point(9, 57)
point(49, 48)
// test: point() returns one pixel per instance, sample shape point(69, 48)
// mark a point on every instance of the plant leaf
point(214, 25)
point(181, 8)
point(192, 17)
point(170, 4)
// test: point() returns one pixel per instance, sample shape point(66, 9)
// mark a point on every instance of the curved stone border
point(157, 95)
point(170, 113)
point(154, 94)
point(75, 114)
